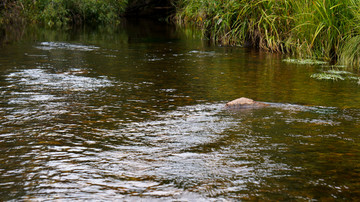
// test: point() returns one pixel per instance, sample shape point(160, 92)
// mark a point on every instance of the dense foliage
point(326, 29)
point(62, 12)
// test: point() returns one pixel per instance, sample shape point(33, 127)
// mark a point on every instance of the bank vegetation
point(321, 29)
point(61, 12)
point(318, 29)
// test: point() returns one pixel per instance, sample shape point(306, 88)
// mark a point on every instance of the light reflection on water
point(65, 46)
point(72, 129)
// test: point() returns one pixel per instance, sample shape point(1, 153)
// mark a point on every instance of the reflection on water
point(66, 46)
point(140, 116)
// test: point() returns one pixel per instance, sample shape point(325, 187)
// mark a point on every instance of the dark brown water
point(136, 113)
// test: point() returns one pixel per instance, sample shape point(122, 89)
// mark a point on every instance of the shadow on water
point(137, 113)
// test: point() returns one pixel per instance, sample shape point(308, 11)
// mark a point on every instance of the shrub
point(64, 12)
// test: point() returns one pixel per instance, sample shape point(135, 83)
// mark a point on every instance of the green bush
point(83, 11)
point(64, 12)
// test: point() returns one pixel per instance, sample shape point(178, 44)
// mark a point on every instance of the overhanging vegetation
point(322, 29)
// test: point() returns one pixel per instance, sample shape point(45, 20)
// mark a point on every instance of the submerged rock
point(244, 102)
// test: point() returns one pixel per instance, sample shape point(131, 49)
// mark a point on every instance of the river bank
point(61, 12)
point(321, 29)
point(326, 30)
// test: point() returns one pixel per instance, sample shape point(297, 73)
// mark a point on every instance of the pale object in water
point(244, 102)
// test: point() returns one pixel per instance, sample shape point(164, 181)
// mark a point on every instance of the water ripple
point(67, 135)
point(65, 46)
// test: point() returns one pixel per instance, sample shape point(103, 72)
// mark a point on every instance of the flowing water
point(136, 113)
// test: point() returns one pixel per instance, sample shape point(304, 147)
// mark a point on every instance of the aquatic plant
point(327, 76)
point(335, 75)
point(338, 72)
point(305, 61)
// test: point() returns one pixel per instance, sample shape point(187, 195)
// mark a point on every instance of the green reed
point(322, 29)
point(350, 49)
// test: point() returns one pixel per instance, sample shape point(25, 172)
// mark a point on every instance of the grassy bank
point(322, 29)
point(319, 29)
point(61, 12)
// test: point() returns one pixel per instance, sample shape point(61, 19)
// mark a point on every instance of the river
point(136, 113)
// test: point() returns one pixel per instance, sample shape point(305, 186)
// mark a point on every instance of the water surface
point(137, 113)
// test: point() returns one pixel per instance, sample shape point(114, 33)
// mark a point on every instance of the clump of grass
point(350, 53)
point(258, 22)
point(323, 25)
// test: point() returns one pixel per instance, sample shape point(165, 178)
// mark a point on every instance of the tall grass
point(238, 21)
point(350, 50)
point(323, 25)
point(322, 29)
